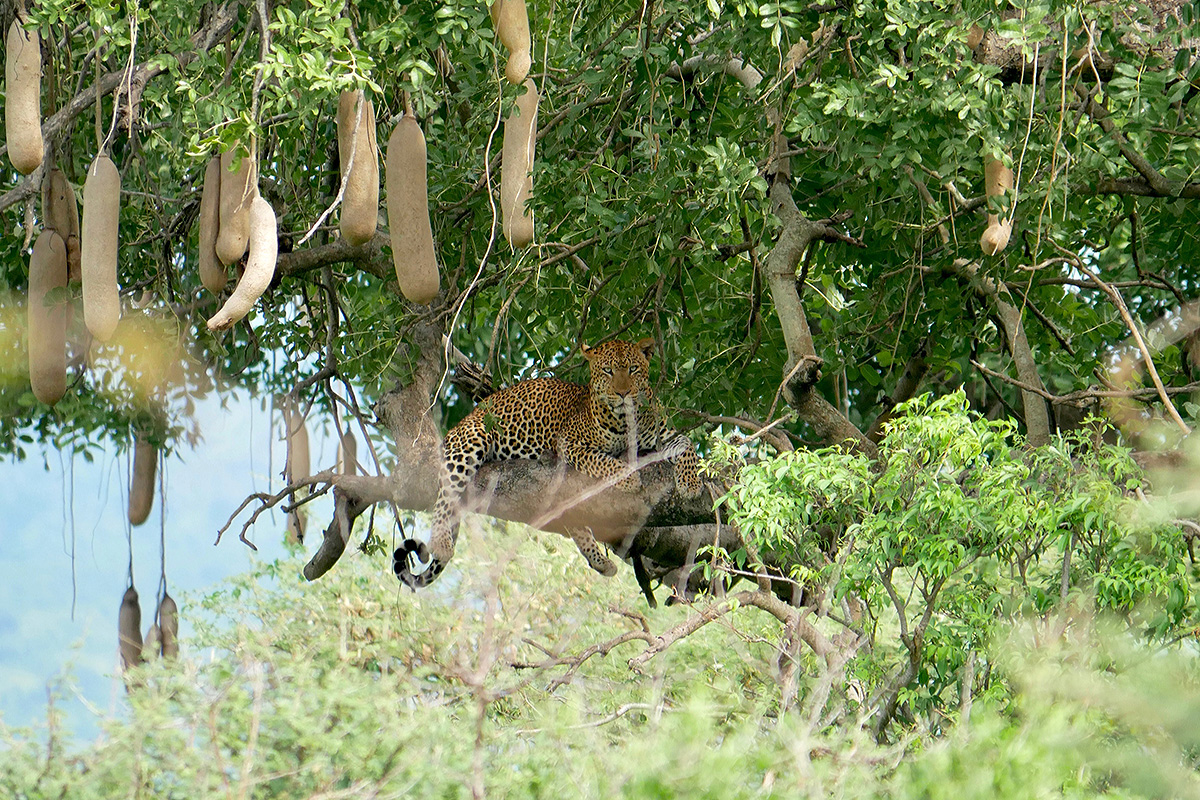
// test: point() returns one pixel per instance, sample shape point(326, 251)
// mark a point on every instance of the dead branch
point(808, 633)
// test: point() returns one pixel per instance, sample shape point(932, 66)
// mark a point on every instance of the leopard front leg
point(592, 551)
point(686, 465)
point(460, 462)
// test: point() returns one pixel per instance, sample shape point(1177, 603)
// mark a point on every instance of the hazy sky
point(38, 636)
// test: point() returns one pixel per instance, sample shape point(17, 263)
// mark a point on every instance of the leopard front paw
point(407, 555)
point(687, 475)
point(689, 488)
point(632, 484)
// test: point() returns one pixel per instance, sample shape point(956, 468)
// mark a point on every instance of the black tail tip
point(409, 552)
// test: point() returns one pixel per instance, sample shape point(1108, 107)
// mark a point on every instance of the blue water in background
point(47, 635)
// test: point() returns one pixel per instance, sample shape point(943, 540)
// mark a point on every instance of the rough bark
point(1087, 64)
point(369, 257)
point(1037, 417)
point(802, 367)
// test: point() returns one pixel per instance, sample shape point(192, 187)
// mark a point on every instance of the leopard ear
point(588, 352)
point(647, 347)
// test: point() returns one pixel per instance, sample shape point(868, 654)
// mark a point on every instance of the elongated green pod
point(516, 168)
point(260, 267)
point(47, 318)
point(98, 248)
point(23, 98)
point(360, 202)
point(213, 274)
point(408, 212)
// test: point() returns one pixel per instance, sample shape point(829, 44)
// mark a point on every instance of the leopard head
point(620, 370)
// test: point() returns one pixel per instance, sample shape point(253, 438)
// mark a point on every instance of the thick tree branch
point(795, 237)
point(1037, 418)
point(1137, 187)
point(1156, 180)
point(802, 367)
point(369, 257)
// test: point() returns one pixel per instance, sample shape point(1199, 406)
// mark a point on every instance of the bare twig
point(269, 501)
point(1080, 397)
point(1119, 302)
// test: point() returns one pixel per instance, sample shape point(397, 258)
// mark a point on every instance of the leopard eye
point(633, 370)
point(606, 370)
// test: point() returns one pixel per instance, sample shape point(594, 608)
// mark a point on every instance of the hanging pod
point(129, 629)
point(408, 212)
point(511, 19)
point(360, 202)
point(299, 465)
point(152, 643)
point(23, 97)
point(347, 454)
point(141, 482)
point(47, 318)
point(213, 274)
point(168, 626)
point(516, 168)
point(998, 181)
point(260, 266)
point(62, 217)
point(98, 248)
point(237, 194)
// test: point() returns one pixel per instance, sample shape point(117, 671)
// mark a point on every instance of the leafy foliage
point(646, 179)
point(958, 529)
point(289, 690)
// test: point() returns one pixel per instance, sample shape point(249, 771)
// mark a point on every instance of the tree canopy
point(664, 130)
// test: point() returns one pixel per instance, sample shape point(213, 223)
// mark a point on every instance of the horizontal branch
point(821, 645)
point(1136, 187)
point(369, 257)
point(1083, 395)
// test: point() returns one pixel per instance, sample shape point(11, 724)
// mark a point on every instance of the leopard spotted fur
point(586, 426)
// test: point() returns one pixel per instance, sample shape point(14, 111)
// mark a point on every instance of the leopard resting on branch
point(594, 428)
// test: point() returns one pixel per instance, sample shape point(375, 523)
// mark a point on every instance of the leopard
point(586, 426)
